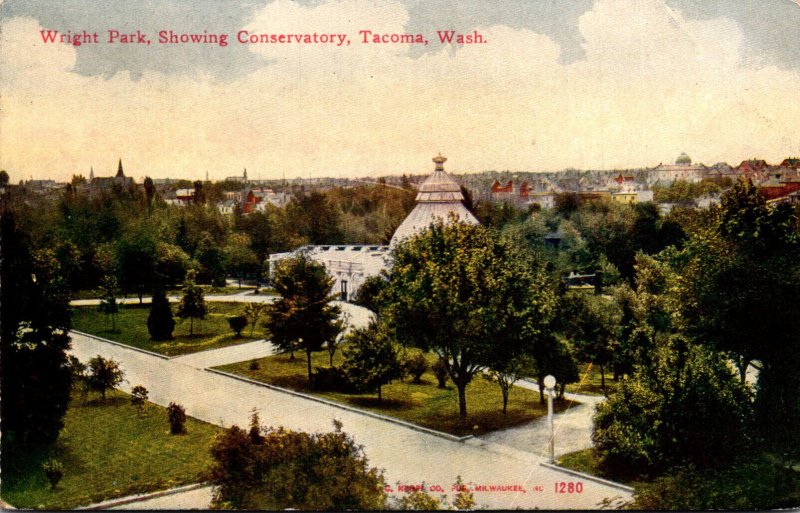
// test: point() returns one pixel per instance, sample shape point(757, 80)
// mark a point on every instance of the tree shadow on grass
point(385, 404)
point(109, 402)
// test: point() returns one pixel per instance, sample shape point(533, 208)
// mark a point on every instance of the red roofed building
point(792, 163)
point(503, 189)
point(752, 166)
point(774, 193)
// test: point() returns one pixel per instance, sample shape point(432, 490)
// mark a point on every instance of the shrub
point(177, 418)
point(54, 471)
point(139, 398)
point(332, 379)
point(416, 366)
point(104, 374)
point(753, 483)
point(274, 469)
point(440, 371)
point(237, 324)
point(254, 364)
point(685, 408)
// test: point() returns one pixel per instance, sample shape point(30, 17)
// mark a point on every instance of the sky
point(556, 84)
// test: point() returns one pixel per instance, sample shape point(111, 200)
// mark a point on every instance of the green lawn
point(131, 324)
point(590, 382)
point(108, 451)
point(423, 404)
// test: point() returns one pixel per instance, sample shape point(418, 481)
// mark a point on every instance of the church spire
point(91, 173)
point(120, 174)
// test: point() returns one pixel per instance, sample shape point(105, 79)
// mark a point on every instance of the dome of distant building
point(683, 159)
point(439, 197)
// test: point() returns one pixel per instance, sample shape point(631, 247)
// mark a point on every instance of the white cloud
point(653, 84)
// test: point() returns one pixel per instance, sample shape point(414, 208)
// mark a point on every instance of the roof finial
point(439, 161)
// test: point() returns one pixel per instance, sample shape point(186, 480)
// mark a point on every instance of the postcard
point(392, 254)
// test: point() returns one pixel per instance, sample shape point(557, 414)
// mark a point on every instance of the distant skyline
point(587, 84)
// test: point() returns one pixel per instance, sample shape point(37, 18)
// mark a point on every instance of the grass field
point(108, 451)
point(586, 461)
point(423, 404)
point(131, 324)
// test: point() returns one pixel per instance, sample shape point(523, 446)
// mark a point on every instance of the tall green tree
point(160, 323)
point(109, 304)
point(193, 302)
point(35, 375)
point(592, 324)
point(303, 317)
point(136, 262)
point(371, 360)
point(468, 295)
point(738, 293)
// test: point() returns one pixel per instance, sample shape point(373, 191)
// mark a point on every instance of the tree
point(552, 356)
point(303, 316)
point(149, 190)
point(193, 303)
point(440, 371)
point(104, 374)
point(211, 260)
point(370, 291)
point(108, 299)
point(136, 261)
point(160, 323)
point(237, 324)
point(176, 416)
point(139, 398)
point(240, 259)
point(371, 360)
point(468, 295)
point(736, 292)
point(663, 415)
point(592, 323)
point(172, 264)
point(252, 312)
point(508, 374)
point(35, 375)
point(416, 365)
point(277, 468)
point(333, 345)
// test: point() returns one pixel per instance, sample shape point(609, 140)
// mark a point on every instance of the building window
point(344, 290)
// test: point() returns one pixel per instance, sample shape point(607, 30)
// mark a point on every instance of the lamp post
point(549, 386)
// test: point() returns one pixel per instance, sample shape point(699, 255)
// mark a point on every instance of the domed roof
point(439, 196)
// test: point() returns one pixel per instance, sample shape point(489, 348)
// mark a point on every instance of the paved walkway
point(194, 499)
point(573, 428)
point(357, 315)
point(226, 355)
point(408, 456)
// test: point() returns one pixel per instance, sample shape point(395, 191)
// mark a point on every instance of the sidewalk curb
point(130, 499)
point(341, 406)
point(589, 477)
point(120, 344)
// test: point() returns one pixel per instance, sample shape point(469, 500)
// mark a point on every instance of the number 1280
point(569, 487)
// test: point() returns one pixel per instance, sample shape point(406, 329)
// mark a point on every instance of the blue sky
point(561, 83)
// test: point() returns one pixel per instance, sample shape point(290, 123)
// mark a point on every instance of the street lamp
point(549, 386)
